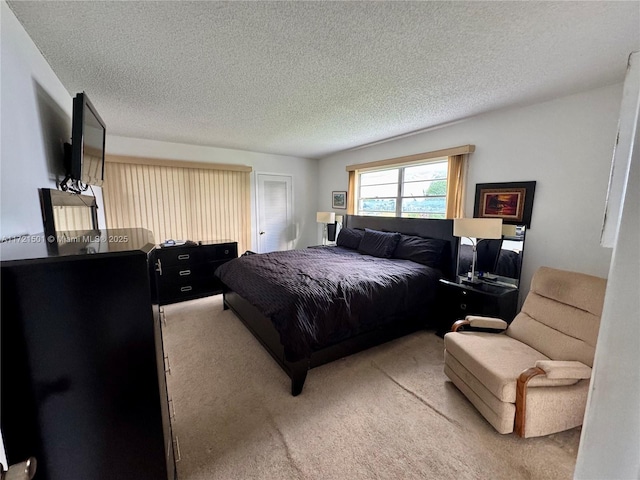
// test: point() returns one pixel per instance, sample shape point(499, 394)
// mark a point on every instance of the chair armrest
point(557, 369)
point(486, 322)
point(546, 373)
point(476, 321)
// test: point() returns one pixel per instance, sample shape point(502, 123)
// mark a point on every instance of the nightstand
point(459, 299)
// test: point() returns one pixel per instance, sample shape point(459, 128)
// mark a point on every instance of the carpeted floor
point(385, 413)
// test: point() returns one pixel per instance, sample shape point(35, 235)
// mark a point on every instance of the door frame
point(256, 223)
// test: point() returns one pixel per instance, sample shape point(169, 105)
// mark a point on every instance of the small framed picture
point(512, 202)
point(339, 199)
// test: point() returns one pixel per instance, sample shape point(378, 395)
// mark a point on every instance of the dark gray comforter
point(318, 296)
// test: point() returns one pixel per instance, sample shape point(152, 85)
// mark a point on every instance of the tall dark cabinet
point(82, 363)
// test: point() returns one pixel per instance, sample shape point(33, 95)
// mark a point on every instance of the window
point(413, 191)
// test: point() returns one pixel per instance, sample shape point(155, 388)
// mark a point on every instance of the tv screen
point(88, 133)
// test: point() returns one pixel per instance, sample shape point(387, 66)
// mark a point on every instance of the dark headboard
point(421, 227)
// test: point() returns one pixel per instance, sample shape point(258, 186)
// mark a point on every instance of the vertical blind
point(180, 203)
point(72, 218)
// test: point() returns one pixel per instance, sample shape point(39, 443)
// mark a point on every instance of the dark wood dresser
point(83, 376)
point(187, 272)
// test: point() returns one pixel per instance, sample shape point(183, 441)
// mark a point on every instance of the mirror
point(63, 211)
point(498, 261)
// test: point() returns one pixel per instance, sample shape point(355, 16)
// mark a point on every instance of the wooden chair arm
point(521, 397)
point(459, 325)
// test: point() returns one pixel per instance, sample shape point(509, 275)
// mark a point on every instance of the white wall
point(610, 442)
point(304, 172)
point(27, 81)
point(565, 145)
point(36, 121)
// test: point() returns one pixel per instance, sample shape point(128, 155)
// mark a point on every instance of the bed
point(311, 306)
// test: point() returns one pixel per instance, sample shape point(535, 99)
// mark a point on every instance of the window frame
point(400, 191)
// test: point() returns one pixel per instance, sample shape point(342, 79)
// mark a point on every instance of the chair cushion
point(495, 359)
point(561, 315)
point(578, 290)
point(499, 414)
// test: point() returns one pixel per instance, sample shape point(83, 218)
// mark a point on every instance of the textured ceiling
point(312, 78)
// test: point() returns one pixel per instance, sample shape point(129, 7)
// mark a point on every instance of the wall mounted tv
point(84, 157)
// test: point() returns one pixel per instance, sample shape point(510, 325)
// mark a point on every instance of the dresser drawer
point(195, 270)
point(175, 256)
point(186, 288)
point(226, 251)
point(465, 301)
point(179, 291)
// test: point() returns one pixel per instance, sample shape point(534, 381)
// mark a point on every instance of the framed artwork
point(339, 199)
point(511, 201)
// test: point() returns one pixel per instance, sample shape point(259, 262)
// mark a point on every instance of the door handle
point(159, 266)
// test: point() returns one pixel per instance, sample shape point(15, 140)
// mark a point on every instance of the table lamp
point(476, 230)
point(324, 218)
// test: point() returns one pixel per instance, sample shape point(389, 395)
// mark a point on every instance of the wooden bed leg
point(298, 373)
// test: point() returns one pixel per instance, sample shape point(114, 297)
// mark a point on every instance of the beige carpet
point(386, 413)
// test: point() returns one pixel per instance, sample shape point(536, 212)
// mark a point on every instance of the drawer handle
point(463, 306)
point(184, 256)
point(188, 288)
point(184, 273)
point(226, 252)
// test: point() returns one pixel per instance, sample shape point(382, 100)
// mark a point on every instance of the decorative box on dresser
point(186, 272)
point(460, 298)
point(83, 371)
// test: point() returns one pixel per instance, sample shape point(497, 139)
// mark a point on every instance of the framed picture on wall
point(510, 201)
point(339, 199)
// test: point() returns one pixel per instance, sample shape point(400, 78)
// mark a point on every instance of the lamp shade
point(477, 227)
point(325, 217)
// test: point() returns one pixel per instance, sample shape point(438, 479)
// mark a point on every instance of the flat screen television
point(85, 155)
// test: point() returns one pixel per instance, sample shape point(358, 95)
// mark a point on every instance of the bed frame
point(263, 329)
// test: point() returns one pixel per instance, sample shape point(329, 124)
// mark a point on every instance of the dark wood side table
point(459, 299)
point(187, 272)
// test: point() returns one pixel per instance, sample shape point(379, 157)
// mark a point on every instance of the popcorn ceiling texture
point(312, 78)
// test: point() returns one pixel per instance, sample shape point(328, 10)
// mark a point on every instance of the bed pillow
point(349, 238)
point(427, 251)
point(378, 244)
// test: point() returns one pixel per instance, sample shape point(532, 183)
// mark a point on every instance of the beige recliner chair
point(535, 373)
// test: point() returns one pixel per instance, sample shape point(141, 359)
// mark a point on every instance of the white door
point(275, 213)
